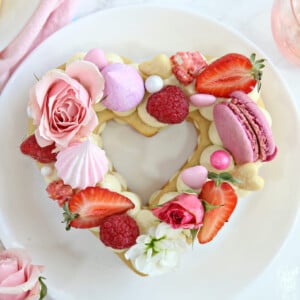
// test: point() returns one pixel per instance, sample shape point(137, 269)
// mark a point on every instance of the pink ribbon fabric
point(49, 16)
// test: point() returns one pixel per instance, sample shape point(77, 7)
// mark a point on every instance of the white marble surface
point(281, 280)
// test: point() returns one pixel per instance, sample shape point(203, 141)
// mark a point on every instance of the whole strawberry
point(170, 105)
point(41, 154)
point(231, 72)
point(119, 231)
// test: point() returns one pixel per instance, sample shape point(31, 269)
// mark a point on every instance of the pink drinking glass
point(286, 28)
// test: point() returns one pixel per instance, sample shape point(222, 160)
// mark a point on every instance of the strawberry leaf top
point(256, 71)
point(221, 177)
point(68, 216)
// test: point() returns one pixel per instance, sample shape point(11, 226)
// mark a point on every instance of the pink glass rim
point(295, 12)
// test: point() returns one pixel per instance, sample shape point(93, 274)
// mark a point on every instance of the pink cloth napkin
point(49, 16)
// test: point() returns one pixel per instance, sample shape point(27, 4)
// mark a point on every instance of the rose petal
point(7, 267)
point(89, 76)
point(24, 279)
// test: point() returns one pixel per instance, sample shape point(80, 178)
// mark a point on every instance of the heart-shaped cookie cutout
point(69, 109)
point(155, 159)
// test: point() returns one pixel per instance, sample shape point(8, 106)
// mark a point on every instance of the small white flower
point(158, 251)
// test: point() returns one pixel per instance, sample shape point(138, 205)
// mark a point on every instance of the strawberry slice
point(33, 149)
point(230, 73)
point(90, 206)
point(221, 199)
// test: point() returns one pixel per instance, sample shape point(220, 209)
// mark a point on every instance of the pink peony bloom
point(184, 211)
point(18, 277)
point(61, 103)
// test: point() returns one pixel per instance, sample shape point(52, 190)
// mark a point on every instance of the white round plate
point(77, 265)
point(13, 16)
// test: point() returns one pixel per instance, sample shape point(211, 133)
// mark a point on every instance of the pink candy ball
point(220, 159)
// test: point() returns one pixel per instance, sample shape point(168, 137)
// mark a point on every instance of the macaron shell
point(233, 134)
point(244, 129)
point(264, 134)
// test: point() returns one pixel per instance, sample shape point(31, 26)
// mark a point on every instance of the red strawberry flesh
point(93, 204)
point(224, 199)
point(225, 75)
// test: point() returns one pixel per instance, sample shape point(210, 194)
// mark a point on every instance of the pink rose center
point(69, 106)
point(179, 216)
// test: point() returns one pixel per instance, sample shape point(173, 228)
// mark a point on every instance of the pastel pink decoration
point(18, 277)
point(220, 159)
point(194, 177)
point(244, 129)
point(184, 211)
point(61, 103)
point(82, 164)
point(202, 100)
point(124, 87)
point(97, 57)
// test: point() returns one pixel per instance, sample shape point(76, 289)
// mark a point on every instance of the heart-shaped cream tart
point(69, 108)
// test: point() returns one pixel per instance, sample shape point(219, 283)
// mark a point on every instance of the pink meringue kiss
point(124, 87)
point(194, 177)
point(220, 159)
point(97, 57)
point(202, 100)
point(82, 164)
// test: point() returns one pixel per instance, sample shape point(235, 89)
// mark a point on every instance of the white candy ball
point(154, 83)
point(46, 170)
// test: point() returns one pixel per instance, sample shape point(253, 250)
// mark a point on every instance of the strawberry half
point(90, 206)
point(220, 201)
point(230, 73)
point(33, 149)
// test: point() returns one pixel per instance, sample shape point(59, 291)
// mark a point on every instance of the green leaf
point(194, 233)
point(68, 216)
point(223, 176)
point(44, 289)
point(208, 207)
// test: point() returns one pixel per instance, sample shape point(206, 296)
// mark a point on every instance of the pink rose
point(184, 211)
point(18, 277)
point(61, 103)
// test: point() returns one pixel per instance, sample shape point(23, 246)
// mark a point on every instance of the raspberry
point(187, 65)
point(119, 231)
point(42, 154)
point(169, 105)
point(59, 191)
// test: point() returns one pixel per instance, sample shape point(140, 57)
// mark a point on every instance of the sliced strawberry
point(33, 149)
point(187, 65)
point(222, 200)
point(90, 206)
point(230, 73)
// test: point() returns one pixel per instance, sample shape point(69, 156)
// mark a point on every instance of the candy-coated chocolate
point(220, 159)
point(202, 100)
point(194, 177)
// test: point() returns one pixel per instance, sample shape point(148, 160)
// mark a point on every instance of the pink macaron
point(244, 129)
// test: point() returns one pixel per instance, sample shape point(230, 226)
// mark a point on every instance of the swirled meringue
point(82, 164)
